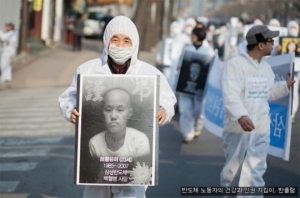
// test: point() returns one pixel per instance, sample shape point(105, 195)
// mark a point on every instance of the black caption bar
point(223, 191)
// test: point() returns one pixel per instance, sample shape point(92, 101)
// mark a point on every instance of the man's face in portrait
point(194, 71)
point(117, 110)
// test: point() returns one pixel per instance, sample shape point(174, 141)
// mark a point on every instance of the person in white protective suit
point(293, 28)
point(176, 49)
point(223, 34)
point(247, 84)
point(209, 34)
point(121, 43)
point(190, 106)
point(258, 22)
point(189, 25)
point(9, 39)
point(274, 23)
point(172, 50)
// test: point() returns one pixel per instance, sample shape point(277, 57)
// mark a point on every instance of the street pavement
point(37, 144)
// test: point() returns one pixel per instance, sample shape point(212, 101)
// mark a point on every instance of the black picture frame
point(116, 169)
point(193, 73)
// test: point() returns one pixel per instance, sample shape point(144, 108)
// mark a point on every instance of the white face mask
point(293, 32)
point(120, 54)
point(175, 31)
point(188, 30)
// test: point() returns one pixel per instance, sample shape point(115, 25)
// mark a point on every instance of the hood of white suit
point(274, 22)
point(293, 23)
point(121, 25)
point(257, 22)
point(190, 21)
point(175, 28)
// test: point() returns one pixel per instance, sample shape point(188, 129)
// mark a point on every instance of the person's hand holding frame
point(161, 115)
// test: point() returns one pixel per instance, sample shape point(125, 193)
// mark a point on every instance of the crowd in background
point(227, 39)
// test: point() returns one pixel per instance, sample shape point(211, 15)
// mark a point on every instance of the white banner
point(280, 110)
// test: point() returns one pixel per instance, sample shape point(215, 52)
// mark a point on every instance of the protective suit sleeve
point(167, 98)
point(279, 90)
point(67, 100)
point(231, 85)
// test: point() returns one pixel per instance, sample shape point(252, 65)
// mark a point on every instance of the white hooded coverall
point(167, 100)
point(9, 39)
point(172, 53)
point(190, 106)
point(176, 49)
point(246, 87)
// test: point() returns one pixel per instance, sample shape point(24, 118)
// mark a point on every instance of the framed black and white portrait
point(117, 130)
point(193, 73)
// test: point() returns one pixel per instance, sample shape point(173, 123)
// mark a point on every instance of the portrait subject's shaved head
point(117, 94)
point(117, 109)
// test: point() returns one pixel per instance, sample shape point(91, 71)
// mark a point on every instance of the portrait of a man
point(193, 73)
point(191, 84)
point(118, 140)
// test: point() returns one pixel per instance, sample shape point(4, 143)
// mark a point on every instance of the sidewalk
point(56, 66)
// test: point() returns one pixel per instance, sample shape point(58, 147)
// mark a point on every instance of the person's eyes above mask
point(127, 41)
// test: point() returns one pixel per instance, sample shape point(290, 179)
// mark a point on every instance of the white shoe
point(188, 140)
point(197, 133)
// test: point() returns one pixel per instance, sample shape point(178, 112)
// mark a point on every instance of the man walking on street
point(190, 105)
point(121, 43)
point(77, 32)
point(246, 134)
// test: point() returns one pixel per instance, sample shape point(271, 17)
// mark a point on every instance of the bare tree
point(149, 20)
point(169, 17)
